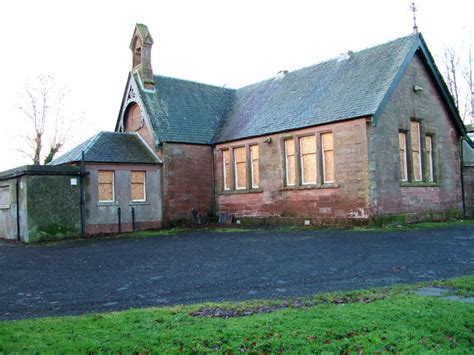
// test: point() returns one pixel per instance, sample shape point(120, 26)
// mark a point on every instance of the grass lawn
point(383, 320)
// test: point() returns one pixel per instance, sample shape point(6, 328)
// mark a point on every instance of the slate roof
point(335, 90)
point(327, 92)
point(110, 147)
point(185, 111)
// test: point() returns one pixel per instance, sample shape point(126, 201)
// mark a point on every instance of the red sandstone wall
point(187, 180)
point(387, 194)
point(346, 198)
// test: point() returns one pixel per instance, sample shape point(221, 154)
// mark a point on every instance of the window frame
point(320, 178)
point(144, 185)
point(252, 170)
point(300, 154)
point(405, 140)
point(430, 160)
point(419, 152)
point(323, 158)
point(227, 187)
point(236, 177)
point(99, 183)
point(285, 151)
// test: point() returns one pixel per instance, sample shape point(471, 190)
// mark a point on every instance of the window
point(240, 168)
point(304, 160)
point(416, 150)
point(402, 143)
point(308, 159)
point(429, 158)
point(106, 186)
point(226, 164)
point(254, 170)
point(137, 182)
point(290, 162)
point(4, 196)
point(328, 157)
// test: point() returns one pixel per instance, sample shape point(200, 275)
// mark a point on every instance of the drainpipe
point(214, 198)
point(18, 238)
point(462, 179)
point(81, 197)
point(133, 219)
point(119, 215)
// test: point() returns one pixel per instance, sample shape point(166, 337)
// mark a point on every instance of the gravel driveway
point(78, 277)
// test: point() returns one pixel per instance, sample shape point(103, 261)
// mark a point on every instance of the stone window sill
point(139, 203)
point(105, 204)
point(419, 184)
point(310, 187)
point(236, 192)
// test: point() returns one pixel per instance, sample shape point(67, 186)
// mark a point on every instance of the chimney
point(141, 55)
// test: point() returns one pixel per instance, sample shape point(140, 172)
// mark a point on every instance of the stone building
point(369, 135)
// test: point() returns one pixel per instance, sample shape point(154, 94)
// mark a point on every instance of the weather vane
point(414, 9)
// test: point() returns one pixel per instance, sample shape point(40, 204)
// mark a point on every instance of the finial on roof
point(414, 9)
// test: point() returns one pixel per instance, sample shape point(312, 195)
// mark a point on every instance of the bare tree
point(459, 79)
point(44, 108)
point(451, 62)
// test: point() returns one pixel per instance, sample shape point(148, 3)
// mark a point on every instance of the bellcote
point(140, 45)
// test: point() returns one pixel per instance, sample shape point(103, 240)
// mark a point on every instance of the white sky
point(84, 45)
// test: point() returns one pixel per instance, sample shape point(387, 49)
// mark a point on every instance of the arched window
point(133, 118)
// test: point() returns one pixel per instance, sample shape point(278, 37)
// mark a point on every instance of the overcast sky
point(85, 45)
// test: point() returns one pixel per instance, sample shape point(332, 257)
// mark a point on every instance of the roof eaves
point(154, 155)
point(398, 77)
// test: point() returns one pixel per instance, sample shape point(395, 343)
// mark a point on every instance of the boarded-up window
point(308, 159)
point(254, 155)
point(402, 143)
point(137, 180)
point(290, 162)
point(226, 166)
point(106, 186)
point(416, 150)
point(4, 196)
point(429, 158)
point(327, 146)
point(240, 168)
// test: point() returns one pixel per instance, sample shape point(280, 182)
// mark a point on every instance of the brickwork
point(387, 194)
point(187, 181)
point(346, 198)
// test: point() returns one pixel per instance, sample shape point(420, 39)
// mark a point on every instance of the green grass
point(395, 321)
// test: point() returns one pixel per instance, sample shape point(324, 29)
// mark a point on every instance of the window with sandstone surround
point(106, 186)
point(308, 160)
point(429, 158)
point(416, 150)
point(226, 166)
point(327, 146)
point(138, 186)
point(290, 166)
point(254, 168)
point(402, 143)
point(240, 168)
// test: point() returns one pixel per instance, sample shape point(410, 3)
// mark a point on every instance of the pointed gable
point(355, 85)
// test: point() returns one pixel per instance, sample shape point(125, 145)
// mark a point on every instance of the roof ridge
point(194, 82)
point(330, 60)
